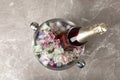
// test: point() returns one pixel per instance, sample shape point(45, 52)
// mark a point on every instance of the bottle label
point(73, 39)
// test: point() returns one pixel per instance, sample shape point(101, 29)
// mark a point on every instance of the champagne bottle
point(77, 36)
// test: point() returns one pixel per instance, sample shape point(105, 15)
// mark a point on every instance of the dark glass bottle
point(77, 36)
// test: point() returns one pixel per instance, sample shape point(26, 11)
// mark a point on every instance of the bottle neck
point(86, 33)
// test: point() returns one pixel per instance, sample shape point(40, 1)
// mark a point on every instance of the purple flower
point(51, 36)
point(44, 43)
point(52, 63)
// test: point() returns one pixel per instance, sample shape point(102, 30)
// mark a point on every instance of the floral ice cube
point(44, 59)
point(37, 49)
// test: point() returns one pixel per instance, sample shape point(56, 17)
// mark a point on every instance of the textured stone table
point(102, 55)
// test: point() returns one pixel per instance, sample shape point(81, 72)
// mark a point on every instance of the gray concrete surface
point(17, 61)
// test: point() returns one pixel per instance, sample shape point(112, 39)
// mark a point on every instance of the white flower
point(37, 49)
point(58, 50)
point(45, 27)
point(45, 52)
